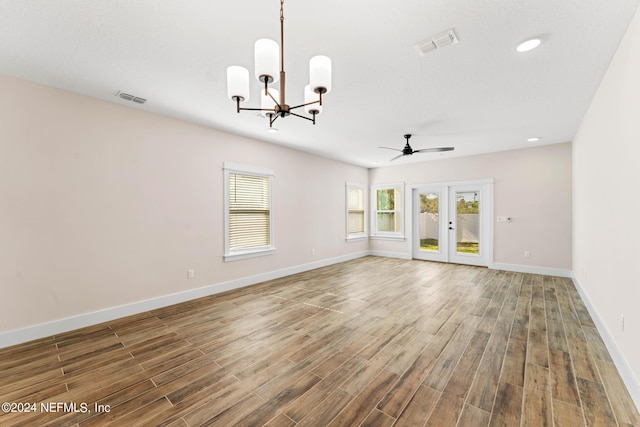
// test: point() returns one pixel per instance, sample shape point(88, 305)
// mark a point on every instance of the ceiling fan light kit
point(528, 45)
point(269, 68)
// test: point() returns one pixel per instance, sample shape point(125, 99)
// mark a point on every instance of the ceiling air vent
point(129, 97)
point(444, 39)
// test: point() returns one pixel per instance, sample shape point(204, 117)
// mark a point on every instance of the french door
point(451, 223)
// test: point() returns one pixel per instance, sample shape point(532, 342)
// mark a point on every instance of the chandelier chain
point(282, 48)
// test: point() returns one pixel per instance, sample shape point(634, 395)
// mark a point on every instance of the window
point(248, 212)
point(387, 211)
point(356, 218)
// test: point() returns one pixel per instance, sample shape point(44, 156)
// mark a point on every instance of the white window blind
point(355, 207)
point(249, 211)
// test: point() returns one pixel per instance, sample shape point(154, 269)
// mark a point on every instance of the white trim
point(452, 183)
point(488, 212)
point(252, 253)
point(48, 329)
point(389, 237)
point(626, 372)
point(235, 167)
point(545, 271)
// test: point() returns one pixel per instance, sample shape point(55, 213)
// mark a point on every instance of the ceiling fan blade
point(407, 150)
point(434, 150)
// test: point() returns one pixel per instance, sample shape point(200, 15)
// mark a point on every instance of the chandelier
point(268, 56)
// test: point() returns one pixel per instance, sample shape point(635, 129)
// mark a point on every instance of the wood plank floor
point(370, 342)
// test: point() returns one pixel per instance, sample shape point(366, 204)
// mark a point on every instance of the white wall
point(606, 245)
point(532, 186)
point(103, 206)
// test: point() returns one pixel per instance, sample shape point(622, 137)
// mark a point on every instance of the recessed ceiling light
point(528, 45)
point(534, 139)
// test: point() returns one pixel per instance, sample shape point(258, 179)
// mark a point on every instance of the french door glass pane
point(429, 222)
point(467, 222)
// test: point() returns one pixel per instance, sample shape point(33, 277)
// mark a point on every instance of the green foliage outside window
point(386, 199)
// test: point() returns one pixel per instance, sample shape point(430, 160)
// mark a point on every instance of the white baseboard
point(627, 374)
point(400, 255)
point(43, 330)
point(545, 271)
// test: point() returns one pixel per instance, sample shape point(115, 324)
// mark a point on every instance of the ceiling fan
point(407, 150)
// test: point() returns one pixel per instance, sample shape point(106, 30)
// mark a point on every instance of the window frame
point(351, 237)
point(256, 251)
point(398, 210)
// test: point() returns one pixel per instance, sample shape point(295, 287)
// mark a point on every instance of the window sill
point(356, 238)
point(397, 238)
point(252, 253)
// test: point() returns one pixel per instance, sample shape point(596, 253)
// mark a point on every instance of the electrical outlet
point(527, 254)
point(191, 274)
point(313, 251)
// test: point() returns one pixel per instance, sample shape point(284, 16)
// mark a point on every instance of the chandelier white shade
point(269, 68)
point(238, 83)
point(267, 60)
point(320, 74)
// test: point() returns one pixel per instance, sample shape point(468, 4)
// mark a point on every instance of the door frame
point(486, 243)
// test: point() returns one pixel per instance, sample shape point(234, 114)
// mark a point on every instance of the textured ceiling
point(479, 95)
